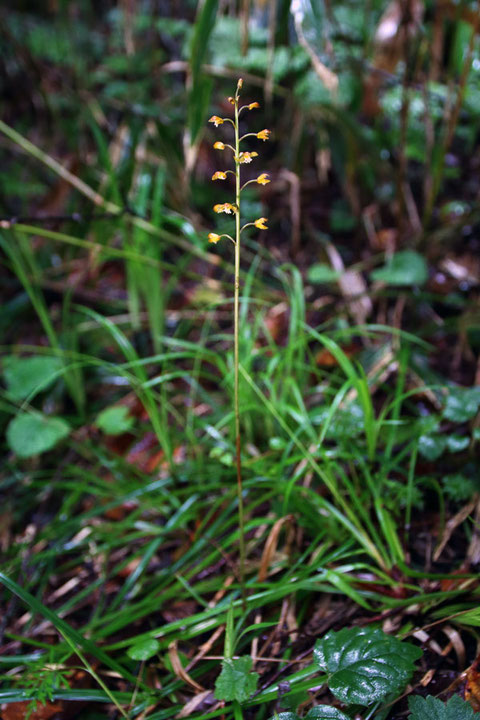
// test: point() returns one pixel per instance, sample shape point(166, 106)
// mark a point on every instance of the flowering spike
point(260, 223)
point(263, 179)
point(216, 120)
point(219, 145)
point(219, 175)
point(213, 237)
point(264, 134)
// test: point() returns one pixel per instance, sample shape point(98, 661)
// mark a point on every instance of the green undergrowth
point(120, 586)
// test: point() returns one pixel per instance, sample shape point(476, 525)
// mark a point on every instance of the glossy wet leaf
point(432, 446)
point(364, 664)
point(236, 682)
point(431, 708)
point(325, 712)
point(462, 404)
point(457, 443)
point(30, 434)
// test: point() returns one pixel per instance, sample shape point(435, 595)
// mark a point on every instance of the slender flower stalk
point(240, 158)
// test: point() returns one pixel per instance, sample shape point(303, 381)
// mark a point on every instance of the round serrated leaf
point(432, 708)
point(30, 434)
point(236, 681)
point(364, 664)
point(325, 712)
point(144, 650)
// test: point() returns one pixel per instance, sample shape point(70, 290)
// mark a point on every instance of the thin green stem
point(241, 522)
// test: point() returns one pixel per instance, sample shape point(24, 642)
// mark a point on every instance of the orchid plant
point(240, 158)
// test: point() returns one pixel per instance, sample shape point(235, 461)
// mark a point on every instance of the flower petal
point(219, 145)
point(216, 120)
point(213, 237)
point(263, 179)
point(225, 207)
point(219, 175)
point(260, 223)
point(253, 105)
point(264, 134)
point(246, 157)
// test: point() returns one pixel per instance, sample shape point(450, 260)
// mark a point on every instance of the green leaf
point(114, 420)
point(405, 268)
point(325, 712)
point(31, 434)
point(432, 446)
point(25, 375)
point(201, 87)
point(457, 443)
point(236, 682)
point(364, 664)
point(285, 716)
point(431, 708)
point(144, 650)
point(322, 273)
point(204, 24)
point(458, 487)
point(462, 404)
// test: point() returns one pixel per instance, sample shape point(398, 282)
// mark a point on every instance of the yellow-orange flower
point(219, 175)
point(224, 207)
point(231, 100)
point(260, 223)
point(246, 157)
point(240, 83)
point(253, 105)
point(213, 237)
point(219, 145)
point(216, 120)
point(263, 179)
point(263, 134)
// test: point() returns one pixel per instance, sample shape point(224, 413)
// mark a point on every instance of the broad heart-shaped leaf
point(325, 712)
point(431, 708)
point(462, 404)
point(236, 682)
point(364, 664)
point(23, 375)
point(33, 433)
point(405, 268)
point(144, 650)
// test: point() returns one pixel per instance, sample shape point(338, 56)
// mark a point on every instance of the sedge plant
point(239, 158)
